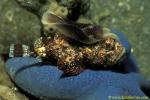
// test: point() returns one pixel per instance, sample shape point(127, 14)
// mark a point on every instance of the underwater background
point(128, 16)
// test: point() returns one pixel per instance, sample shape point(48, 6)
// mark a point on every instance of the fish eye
point(51, 30)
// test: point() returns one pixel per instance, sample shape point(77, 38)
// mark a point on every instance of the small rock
point(6, 93)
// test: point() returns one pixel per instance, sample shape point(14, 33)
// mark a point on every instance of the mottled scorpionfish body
point(73, 59)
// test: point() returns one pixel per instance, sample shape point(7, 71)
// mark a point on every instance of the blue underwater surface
point(45, 81)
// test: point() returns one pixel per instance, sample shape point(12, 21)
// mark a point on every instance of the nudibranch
point(71, 46)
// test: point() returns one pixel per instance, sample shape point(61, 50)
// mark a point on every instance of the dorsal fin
point(84, 33)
